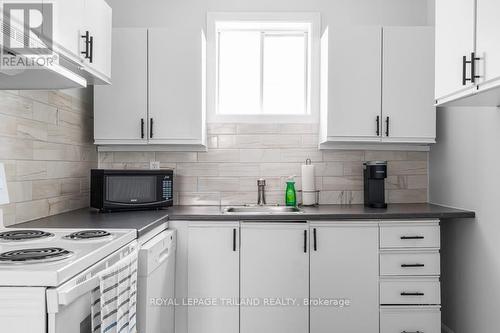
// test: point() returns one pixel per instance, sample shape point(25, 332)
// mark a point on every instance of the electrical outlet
point(154, 165)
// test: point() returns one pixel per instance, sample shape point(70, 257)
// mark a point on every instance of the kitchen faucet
point(261, 185)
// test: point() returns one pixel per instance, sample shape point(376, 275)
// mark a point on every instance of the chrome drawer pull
point(411, 237)
point(412, 331)
point(404, 293)
point(412, 265)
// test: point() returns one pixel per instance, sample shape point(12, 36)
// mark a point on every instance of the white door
point(213, 273)
point(455, 26)
point(121, 109)
point(274, 267)
point(98, 21)
point(344, 266)
point(67, 21)
point(408, 108)
point(488, 47)
point(354, 83)
point(176, 86)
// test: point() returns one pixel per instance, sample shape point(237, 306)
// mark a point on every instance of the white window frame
point(313, 75)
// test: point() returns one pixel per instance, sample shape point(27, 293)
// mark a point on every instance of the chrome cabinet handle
point(411, 237)
point(412, 265)
point(405, 293)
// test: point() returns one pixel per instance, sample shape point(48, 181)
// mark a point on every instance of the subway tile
point(199, 198)
point(249, 184)
point(44, 113)
point(418, 182)
point(70, 186)
point(43, 189)
point(63, 169)
point(309, 141)
point(418, 156)
point(329, 169)
point(280, 141)
point(341, 197)
point(197, 169)
point(407, 196)
point(71, 119)
point(299, 128)
point(136, 156)
point(239, 169)
point(36, 95)
point(342, 183)
point(60, 100)
point(29, 129)
point(227, 141)
point(259, 155)
point(353, 168)
point(343, 155)
point(219, 155)
point(396, 182)
point(212, 141)
point(237, 198)
point(31, 170)
point(280, 169)
point(380, 155)
point(16, 149)
point(249, 128)
point(185, 183)
point(176, 156)
point(218, 184)
point(31, 210)
point(407, 168)
point(10, 170)
point(8, 126)
point(16, 106)
point(19, 191)
point(300, 155)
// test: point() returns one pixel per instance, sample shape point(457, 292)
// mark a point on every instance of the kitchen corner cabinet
point(344, 266)
point(213, 271)
point(377, 86)
point(161, 100)
point(467, 53)
point(274, 266)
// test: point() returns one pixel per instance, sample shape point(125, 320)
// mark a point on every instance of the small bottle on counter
point(290, 193)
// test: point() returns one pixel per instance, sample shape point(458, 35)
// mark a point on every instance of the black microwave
point(113, 190)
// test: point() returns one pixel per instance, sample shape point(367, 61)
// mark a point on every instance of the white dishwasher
point(156, 284)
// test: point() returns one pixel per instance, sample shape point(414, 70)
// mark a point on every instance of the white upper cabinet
point(488, 46)
point(98, 24)
point(377, 86)
point(120, 110)
point(344, 265)
point(176, 87)
point(274, 265)
point(158, 91)
point(351, 84)
point(454, 41)
point(408, 85)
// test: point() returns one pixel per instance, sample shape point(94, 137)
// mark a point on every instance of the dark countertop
point(142, 221)
point(326, 212)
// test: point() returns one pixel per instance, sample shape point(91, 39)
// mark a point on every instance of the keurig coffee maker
point(375, 173)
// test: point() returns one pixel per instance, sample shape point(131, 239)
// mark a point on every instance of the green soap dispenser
point(290, 193)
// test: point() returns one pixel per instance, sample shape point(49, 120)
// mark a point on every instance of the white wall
point(190, 14)
point(464, 173)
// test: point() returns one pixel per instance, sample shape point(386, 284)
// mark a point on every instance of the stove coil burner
point(24, 235)
point(35, 255)
point(88, 235)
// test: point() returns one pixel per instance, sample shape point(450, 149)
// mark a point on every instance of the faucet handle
point(261, 182)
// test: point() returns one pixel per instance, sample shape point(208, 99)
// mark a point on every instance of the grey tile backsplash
point(239, 154)
point(46, 146)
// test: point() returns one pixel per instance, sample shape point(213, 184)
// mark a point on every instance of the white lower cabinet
point(344, 266)
point(410, 320)
point(213, 271)
point(275, 271)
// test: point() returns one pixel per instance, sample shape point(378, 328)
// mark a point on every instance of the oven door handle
point(67, 297)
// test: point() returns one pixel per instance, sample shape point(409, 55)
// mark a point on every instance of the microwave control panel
point(167, 188)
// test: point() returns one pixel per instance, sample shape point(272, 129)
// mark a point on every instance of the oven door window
point(131, 189)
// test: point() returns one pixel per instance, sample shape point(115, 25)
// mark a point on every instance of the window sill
point(265, 119)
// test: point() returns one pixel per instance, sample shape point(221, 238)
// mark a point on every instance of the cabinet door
point(176, 86)
point(98, 21)
point(67, 21)
point(119, 108)
point(274, 265)
point(488, 46)
point(408, 85)
point(353, 83)
point(344, 266)
point(213, 272)
point(455, 26)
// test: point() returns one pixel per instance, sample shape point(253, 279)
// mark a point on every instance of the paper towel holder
point(316, 202)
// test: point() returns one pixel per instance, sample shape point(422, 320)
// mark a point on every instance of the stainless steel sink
point(262, 210)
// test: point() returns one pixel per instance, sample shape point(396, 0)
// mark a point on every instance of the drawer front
point(410, 321)
point(410, 292)
point(411, 236)
point(409, 263)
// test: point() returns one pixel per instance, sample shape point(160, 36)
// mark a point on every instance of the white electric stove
point(46, 276)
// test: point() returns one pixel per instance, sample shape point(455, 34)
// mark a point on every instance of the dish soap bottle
point(290, 193)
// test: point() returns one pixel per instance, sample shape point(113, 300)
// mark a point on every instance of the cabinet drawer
point(410, 321)
point(410, 292)
point(409, 263)
point(411, 236)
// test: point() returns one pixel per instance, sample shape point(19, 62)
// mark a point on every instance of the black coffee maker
point(375, 173)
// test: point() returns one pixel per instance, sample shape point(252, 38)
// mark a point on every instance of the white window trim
point(312, 18)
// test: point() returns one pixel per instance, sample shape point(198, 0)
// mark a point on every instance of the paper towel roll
point(308, 181)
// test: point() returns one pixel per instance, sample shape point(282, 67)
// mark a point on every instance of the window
point(262, 68)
